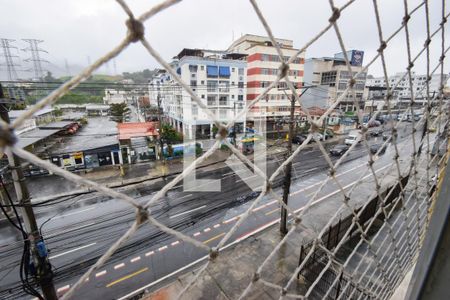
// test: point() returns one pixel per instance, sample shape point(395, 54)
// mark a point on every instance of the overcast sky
point(79, 30)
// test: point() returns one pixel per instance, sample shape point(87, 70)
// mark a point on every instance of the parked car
point(380, 148)
point(338, 150)
point(386, 136)
point(298, 139)
point(376, 132)
point(352, 137)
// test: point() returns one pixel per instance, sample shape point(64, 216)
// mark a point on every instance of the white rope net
point(381, 259)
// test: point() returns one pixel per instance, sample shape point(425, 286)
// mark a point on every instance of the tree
point(119, 111)
point(49, 77)
point(169, 135)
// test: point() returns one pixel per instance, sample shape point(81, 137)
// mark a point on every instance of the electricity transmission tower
point(33, 48)
point(9, 62)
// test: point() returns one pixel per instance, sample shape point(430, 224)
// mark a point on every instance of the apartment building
point(262, 69)
point(330, 77)
point(403, 87)
point(217, 77)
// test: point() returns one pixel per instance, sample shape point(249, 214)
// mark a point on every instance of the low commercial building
point(41, 117)
point(113, 96)
point(137, 141)
point(330, 78)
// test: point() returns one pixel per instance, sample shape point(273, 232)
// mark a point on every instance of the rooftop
point(130, 130)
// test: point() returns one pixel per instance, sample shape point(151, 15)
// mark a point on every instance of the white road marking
point(135, 259)
point(186, 212)
point(100, 273)
point(230, 220)
point(162, 248)
point(226, 174)
point(119, 266)
point(72, 250)
point(197, 234)
point(206, 229)
point(216, 226)
point(74, 213)
point(188, 195)
point(149, 253)
point(63, 289)
point(70, 230)
point(175, 243)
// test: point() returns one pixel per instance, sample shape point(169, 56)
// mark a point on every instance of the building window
point(241, 71)
point(203, 96)
point(329, 78)
point(202, 82)
point(342, 85)
point(265, 84)
point(223, 100)
point(240, 84)
point(212, 100)
point(265, 57)
point(241, 97)
point(193, 75)
point(224, 86)
point(194, 110)
point(193, 68)
point(202, 68)
point(232, 83)
point(233, 69)
point(193, 83)
point(212, 86)
point(265, 71)
point(232, 96)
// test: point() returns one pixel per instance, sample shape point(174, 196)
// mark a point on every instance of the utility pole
point(33, 48)
point(9, 62)
point(161, 142)
point(288, 168)
point(44, 274)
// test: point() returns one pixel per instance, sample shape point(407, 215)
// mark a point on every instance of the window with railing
point(223, 100)
point(224, 86)
point(212, 86)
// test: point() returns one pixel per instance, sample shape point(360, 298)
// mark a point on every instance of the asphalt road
point(78, 234)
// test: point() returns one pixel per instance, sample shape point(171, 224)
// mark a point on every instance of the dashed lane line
point(135, 259)
point(100, 273)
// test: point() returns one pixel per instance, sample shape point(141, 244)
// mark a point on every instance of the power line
point(35, 58)
point(9, 62)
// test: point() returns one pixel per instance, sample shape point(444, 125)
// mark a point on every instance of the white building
point(330, 76)
point(263, 67)
point(113, 96)
point(403, 87)
point(217, 77)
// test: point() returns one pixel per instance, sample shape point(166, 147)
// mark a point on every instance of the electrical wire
point(25, 261)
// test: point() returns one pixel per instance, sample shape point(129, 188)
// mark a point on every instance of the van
point(352, 137)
